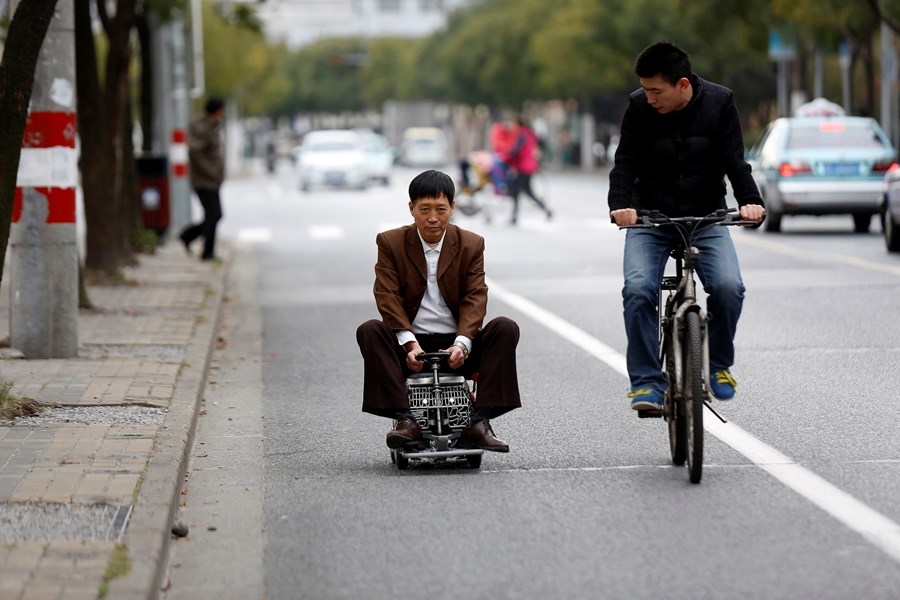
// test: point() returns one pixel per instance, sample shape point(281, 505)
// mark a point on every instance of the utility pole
point(43, 239)
point(178, 104)
point(889, 84)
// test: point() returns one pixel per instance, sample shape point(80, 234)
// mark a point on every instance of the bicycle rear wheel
point(693, 394)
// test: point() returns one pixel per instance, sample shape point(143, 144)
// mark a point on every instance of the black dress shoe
point(406, 430)
point(481, 435)
point(185, 243)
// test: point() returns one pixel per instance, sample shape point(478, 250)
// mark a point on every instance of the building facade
point(300, 22)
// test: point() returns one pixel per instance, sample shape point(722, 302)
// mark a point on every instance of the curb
point(148, 535)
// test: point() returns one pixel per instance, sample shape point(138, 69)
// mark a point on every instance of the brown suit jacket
point(401, 277)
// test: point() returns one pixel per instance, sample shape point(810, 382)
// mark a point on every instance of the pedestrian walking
point(206, 157)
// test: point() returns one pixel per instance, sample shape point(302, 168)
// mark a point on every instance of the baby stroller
point(483, 181)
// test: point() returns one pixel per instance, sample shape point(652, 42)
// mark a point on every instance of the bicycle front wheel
point(674, 400)
point(693, 394)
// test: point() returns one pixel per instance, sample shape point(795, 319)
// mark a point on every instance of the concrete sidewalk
point(87, 506)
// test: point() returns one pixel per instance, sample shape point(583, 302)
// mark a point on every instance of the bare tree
point(104, 122)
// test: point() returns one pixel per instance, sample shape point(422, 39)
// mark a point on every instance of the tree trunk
point(109, 198)
point(146, 92)
point(24, 39)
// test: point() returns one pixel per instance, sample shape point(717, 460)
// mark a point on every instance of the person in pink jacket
point(521, 159)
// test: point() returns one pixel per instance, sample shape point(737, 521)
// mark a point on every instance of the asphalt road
point(798, 498)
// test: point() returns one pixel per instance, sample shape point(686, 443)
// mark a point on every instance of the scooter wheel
point(402, 461)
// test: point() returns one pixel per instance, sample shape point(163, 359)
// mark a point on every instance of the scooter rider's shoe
point(405, 430)
point(481, 435)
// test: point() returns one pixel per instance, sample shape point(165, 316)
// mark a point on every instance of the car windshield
point(331, 146)
point(834, 134)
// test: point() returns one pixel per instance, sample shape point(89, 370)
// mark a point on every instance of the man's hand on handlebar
point(624, 216)
point(457, 356)
point(753, 212)
point(413, 350)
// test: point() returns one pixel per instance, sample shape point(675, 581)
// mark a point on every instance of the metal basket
point(452, 397)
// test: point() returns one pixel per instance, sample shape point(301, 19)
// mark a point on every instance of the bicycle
point(684, 351)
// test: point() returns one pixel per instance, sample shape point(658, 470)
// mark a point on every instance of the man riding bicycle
point(680, 136)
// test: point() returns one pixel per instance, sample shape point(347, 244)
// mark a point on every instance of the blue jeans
point(646, 254)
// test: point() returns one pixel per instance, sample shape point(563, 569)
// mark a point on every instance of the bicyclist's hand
point(413, 349)
point(624, 216)
point(753, 212)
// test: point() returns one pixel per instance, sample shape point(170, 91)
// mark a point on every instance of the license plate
point(842, 169)
point(334, 178)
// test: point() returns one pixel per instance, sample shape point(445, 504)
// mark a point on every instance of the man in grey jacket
point(207, 165)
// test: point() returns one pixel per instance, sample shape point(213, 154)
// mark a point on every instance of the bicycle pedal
point(649, 414)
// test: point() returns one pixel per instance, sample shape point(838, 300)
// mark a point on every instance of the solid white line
point(872, 525)
point(583, 340)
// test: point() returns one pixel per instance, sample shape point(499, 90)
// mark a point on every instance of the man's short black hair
point(431, 184)
point(214, 104)
point(664, 59)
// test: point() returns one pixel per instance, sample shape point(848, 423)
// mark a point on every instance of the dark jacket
point(676, 162)
point(401, 275)
point(206, 153)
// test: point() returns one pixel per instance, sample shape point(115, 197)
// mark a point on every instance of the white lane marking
point(565, 329)
point(326, 232)
point(872, 525)
point(251, 235)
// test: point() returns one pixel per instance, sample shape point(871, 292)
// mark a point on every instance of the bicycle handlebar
point(722, 216)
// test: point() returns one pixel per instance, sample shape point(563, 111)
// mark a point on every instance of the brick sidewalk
point(146, 344)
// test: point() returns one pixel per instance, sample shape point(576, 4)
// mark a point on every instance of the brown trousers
point(493, 357)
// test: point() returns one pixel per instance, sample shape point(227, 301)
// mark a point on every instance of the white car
point(380, 156)
point(332, 157)
point(424, 147)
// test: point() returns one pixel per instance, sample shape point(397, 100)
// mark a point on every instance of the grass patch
point(12, 406)
point(119, 565)
point(144, 241)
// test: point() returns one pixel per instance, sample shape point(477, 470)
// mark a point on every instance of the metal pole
point(782, 83)
point(43, 238)
point(844, 59)
point(819, 81)
point(199, 84)
point(888, 80)
point(178, 168)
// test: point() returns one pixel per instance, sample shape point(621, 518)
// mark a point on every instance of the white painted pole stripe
point(872, 525)
point(48, 167)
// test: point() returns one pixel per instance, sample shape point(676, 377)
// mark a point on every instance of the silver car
point(822, 166)
point(890, 210)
